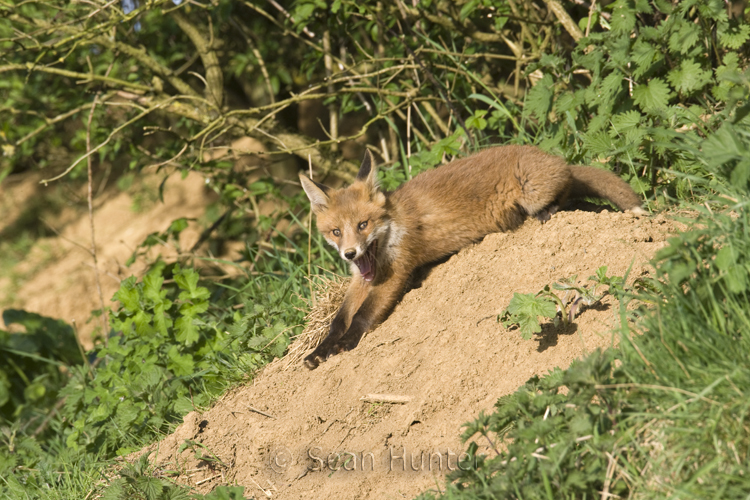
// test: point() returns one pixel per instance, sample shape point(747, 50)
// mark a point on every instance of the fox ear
point(315, 192)
point(368, 173)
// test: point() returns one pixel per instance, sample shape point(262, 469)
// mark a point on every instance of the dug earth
point(384, 420)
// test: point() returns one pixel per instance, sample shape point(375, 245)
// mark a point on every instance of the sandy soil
point(293, 433)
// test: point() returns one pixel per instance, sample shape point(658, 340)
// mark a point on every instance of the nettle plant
point(559, 306)
point(645, 70)
point(171, 355)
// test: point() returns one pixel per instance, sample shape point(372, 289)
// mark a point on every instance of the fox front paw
point(312, 361)
point(319, 355)
point(326, 350)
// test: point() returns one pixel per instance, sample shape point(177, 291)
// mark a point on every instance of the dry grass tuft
point(328, 294)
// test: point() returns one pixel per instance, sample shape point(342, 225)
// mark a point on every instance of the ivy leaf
point(652, 97)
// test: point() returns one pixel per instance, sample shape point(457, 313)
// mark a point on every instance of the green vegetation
point(524, 309)
point(96, 92)
point(663, 416)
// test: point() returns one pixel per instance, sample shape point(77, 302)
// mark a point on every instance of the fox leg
point(353, 299)
point(344, 334)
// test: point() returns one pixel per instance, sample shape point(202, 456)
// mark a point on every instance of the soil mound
point(383, 421)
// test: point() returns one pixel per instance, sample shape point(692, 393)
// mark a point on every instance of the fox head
point(352, 219)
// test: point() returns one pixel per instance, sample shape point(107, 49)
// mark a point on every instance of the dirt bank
point(280, 436)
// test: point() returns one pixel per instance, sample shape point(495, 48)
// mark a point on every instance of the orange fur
point(386, 236)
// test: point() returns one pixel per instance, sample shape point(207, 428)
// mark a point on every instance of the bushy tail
point(598, 183)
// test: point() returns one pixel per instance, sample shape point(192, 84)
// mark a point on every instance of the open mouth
point(367, 262)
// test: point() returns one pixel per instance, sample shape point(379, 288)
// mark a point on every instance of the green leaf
point(193, 310)
point(152, 287)
point(187, 280)
point(183, 406)
point(178, 225)
point(539, 98)
point(725, 258)
point(126, 413)
point(610, 87)
point(127, 295)
point(683, 39)
point(652, 97)
point(151, 487)
point(180, 364)
point(623, 17)
point(302, 13)
point(142, 322)
point(580, 424)
point(735, 276)
point(468, 9)
point(689, 77)
point(526, 308)
point(645, 56)
point(735, 36)
point(622, 122)
point(477, 120)
point(741, 174)
point(529, 326)
point(187, 331)
point(568, 101)
point(227, 493)
point(599, 143)
point(162, 320)
point(723, 146)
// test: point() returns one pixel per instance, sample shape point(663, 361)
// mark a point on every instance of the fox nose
point(350, 253)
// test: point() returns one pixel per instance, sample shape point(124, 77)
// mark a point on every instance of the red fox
point(387, 235)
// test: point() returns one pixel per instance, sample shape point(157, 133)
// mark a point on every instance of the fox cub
point(387, 235)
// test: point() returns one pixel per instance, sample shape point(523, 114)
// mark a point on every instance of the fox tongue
point(365, 267)
point(366, 263)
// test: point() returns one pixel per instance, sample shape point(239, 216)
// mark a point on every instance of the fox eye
point(362, 225)
point(336, 232)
